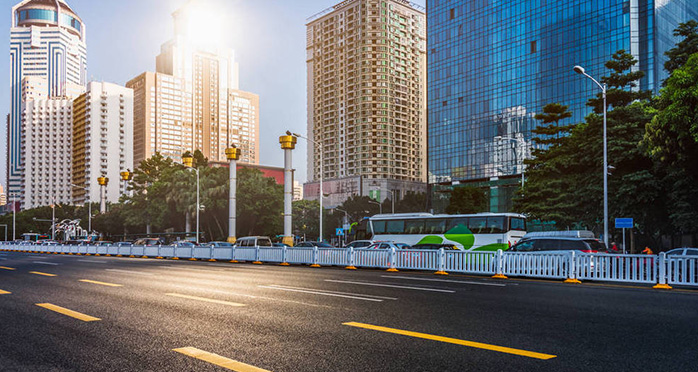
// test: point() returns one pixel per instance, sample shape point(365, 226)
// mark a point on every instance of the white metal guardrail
point(659, 269)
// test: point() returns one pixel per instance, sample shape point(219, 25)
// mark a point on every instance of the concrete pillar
point(233, 155)
point(103, 181)
point(288, 143)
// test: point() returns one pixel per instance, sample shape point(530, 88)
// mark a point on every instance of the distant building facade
point(102, 141)
point(48, 63)
point(494, 65)
point(192, 101)
point(366, 62)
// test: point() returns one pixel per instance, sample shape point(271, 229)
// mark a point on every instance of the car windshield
point(403, 246)
point(596, 245)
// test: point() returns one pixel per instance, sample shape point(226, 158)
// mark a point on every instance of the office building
point(192, 101)
point(48, 62)
point(102, 141)
point(494, 65)
point(46, 149)
point(366, 62)
point(297, 191)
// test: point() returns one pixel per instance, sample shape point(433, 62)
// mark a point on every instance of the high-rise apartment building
point(46, 149)
point(494, 65)
point(102, 141)
point(366, 63)
point(3, 196)
point(48, 60)
point(193, 101)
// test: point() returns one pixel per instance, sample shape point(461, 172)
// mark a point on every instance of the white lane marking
point(335, 292)
point(391, 286)
point(129, 272)
point(321, 293)
point(444, 280)
point(46, 263)
point(94, 261)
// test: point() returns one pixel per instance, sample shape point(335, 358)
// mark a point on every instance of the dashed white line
point(391, 286)
point(357, 297)
point(46, 263)
point(444, 280)
point(129, 272)
point(92, 261)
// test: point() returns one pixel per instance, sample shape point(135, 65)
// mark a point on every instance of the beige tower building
point(192, 101)
point(366, 64)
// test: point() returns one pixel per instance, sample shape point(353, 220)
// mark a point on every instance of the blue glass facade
point(493, 64)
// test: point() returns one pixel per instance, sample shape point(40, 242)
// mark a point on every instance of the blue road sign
point(339, 231)
point(624, 223)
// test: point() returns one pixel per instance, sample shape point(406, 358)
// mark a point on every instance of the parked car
point(683, 252)
point(183, 244)
point(430, 246)
point(254, 241)
point(219, 244)
point(104, 243)
point(123, 244)
point(557, 244)
point(388, 245)
point(280, 245)
point(359, 244)
point(149, 241)
point(313, 245)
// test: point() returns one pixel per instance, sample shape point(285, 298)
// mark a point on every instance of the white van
point(253, 241)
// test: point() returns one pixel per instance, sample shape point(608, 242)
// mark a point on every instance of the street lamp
point(89, 207)
point(380, 206)
point(580, 70)
point(318, 144)
point(523, 166)
point(14, 214)
point(188, 161)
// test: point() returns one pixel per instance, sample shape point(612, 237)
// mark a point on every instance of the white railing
point(571, 266)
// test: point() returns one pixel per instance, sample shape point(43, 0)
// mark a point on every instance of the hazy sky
point(268, 36)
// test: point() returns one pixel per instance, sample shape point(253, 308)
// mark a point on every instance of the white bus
point(477, 232)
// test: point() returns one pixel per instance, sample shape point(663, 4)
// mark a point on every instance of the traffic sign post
point(624, 223)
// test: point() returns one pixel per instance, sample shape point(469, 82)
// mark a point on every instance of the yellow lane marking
point(40, 273)
point(456, 341)
point(218, 360)
point(4, 292)
point(7, 268)
point(205, 299)
point(68, 312)
point(100, 283)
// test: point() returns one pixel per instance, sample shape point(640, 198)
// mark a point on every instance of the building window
point(452, 14)
point(534, 47)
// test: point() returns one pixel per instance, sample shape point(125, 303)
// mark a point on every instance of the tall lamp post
point(580, 70)
point(380, 206)
point(103, 181)
point(288, 144)
point(346, 220)
point(14, 214)
point(89, 207)
point(317, 144)
point(126, 176)
point(188, 161)
point(233, 155)
point(523, 167)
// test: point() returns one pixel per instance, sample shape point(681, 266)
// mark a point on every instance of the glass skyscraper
point(492, 65)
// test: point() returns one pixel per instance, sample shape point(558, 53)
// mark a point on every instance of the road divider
point(391, 286)
point(477, 345)
point(42, 274)
point(100, 283)
point(68, 312)
point(354, 296)
point(204, 299)
point(218, 360)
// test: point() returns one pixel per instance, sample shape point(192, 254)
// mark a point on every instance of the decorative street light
point(317, 144)
point(523, 166)
point(188, 161)
point(580, 70)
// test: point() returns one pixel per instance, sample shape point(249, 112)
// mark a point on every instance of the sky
point(268, 36)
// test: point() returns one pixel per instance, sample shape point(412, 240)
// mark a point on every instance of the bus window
point(378, 227)
point(495, 225)
point(395, 227)
point(360, 232)
point(478, 225)
point(517, 223)
point(414, 227)
point(454, 222)
point(435, 227)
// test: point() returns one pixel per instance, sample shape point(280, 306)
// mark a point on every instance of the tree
point(466, 200)
point(411, 202)
point(680, 54)
point(260, 204)
point(306, 216)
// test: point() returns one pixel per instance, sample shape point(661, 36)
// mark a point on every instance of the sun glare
point(203, 25)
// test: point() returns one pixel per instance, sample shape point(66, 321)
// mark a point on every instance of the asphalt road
point(131, 314)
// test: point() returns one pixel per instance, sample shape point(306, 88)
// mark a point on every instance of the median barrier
point(299, 255)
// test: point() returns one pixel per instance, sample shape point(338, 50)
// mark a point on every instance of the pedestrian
point(614, 247)
point(647, 250)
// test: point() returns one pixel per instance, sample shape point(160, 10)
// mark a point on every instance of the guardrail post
point(392, 259)
point(442, 263)
point(210, 256)
point(192, 258)
point(499, 262)
point(351, 259)
point(662, 275)
point(256, 256)
point(572, 269)
point(232, 256)
point(130, 249)
point(316, 256)
point(283, 257)
point(159, 254)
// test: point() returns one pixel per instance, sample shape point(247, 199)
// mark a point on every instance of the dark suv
point(559, 244)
